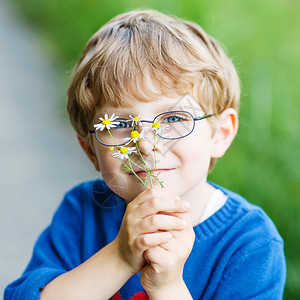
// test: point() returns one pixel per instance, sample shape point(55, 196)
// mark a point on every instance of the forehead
point(152, 108)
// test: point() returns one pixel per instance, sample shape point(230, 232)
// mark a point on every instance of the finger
point(160, 222)
point(154, 192)
point(168, 205)
point(155, 255)
point(146, 241)
point(184, 216)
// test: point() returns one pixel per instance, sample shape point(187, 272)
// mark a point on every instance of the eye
point(123, 124)
point(175, 118)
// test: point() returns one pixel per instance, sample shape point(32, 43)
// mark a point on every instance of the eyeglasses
point(173, 125)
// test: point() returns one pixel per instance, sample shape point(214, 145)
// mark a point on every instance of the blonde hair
point(177, 55)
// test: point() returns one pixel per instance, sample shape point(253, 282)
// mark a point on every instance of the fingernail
point(169, 236)
point(187, 204)
point(184, 223)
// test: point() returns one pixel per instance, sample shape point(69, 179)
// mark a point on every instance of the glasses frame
point(91, 131)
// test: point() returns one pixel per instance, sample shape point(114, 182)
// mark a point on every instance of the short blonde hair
point(178, 55)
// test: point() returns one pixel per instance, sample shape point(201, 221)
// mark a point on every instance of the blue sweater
point(237, 254)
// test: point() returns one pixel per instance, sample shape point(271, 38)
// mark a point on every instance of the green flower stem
point(155, 163)
point(154, 153)
point(129, 168)
point(113, 139)
point(137, 174)
point(138, 165)
point(126, 166)
point(129, 161)
point(143, 161)
point(150, 178)
point(157, 179)
point(147, 169)
point(142, 158)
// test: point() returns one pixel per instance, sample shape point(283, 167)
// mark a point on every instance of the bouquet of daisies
point(124, 153)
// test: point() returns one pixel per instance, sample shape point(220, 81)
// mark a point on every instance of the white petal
point(128, 140)
point(132, 149)
point(109, 126)
point(117, 154)
point(99, 126)
point(115, 123)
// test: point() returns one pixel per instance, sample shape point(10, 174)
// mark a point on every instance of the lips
point(155, 172)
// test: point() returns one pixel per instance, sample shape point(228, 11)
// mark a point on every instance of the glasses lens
point(115, 134)
point(175, 124)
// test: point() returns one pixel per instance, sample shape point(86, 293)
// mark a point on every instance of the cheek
point(195, 153)
point(112, 174)
point(108, 164)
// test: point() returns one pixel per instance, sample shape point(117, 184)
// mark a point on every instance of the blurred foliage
point(262, 37)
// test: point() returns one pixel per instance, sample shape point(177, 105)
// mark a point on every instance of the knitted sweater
point(237, 254)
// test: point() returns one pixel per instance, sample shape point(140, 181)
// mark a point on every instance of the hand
point(166, 261)
point(147, 221)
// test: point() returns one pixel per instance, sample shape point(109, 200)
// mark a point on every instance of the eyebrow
point(156, 112)
point(175, 105)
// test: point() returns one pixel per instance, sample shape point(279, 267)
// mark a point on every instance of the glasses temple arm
point(146, 121)
point(204, 117)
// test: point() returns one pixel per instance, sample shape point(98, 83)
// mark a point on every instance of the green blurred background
point(263, 39)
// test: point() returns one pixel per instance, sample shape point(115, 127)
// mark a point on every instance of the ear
point(88, 149)
point(225, 132)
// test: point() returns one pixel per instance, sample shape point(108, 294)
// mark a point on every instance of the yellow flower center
point(155, 125)
point(124, 150)
point(134, 134)
point(106, 122)
point(136, 119)
point(111, 149)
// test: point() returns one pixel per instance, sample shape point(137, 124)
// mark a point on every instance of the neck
point(198, 197)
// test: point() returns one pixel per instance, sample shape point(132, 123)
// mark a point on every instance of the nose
point(147, 145)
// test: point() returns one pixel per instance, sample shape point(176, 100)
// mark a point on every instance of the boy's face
point(183, 163)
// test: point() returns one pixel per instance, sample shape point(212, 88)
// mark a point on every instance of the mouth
point(155, 172)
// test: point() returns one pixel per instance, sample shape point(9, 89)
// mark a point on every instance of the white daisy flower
point(158, 127)
point(135, 136)
point(136, 120)
point(106, 122)
point(155, 126)
point(124, 152)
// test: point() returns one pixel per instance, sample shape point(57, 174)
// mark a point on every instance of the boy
point(126, 237)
